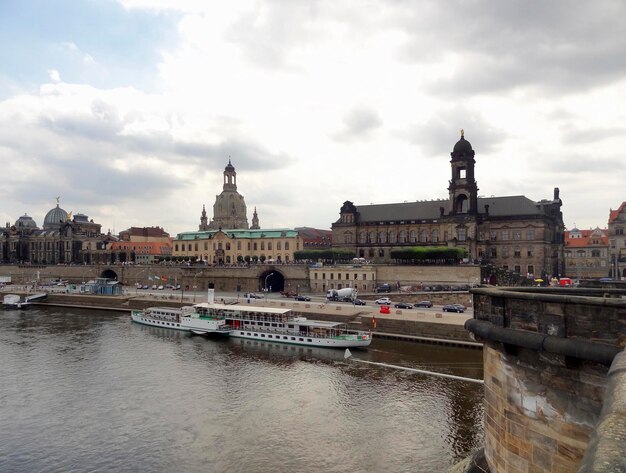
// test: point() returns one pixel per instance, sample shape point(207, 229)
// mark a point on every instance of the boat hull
point(147, 320)
point(359, 341)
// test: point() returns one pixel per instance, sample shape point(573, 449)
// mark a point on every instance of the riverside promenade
point(427, 325)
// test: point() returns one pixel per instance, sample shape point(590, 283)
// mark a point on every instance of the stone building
point(229, 210)
point(586, 253)
point(63, 239)
point(511, 232)
point(617, 242)
point(145, 234)
point(235, 246)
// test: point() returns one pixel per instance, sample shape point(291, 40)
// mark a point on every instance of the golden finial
point(69, 217)
point(462, 132)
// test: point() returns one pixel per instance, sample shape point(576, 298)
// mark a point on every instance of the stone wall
point(546, 359)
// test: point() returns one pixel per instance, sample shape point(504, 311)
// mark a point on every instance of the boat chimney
point(211, 294)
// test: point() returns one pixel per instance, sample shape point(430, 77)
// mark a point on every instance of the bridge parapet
point(546, 360)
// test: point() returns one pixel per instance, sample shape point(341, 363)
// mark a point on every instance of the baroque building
point(64, 239)
point(236, 246)
point(617, 242)
point(229, 210)
point(511, 232)
point(586, 253)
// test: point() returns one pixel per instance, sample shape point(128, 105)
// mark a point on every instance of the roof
point(585, 239)
point(615, 213)
point(517, 205)
point(239, 233)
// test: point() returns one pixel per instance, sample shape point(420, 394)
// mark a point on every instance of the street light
point(266, 278)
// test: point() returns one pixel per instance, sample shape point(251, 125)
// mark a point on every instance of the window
point(595, 253)
point(531, 269)
point(518, 268)
point(505, 234)
point(382, 237)
point(529, 252)
point(278, 247)
point(176, 247)
point(530, 234)
point(517, 253)
point(254, 245)
point(423, 236)
point(286, 245)
point(505, 251)
point(262, 245)
point(347, 237)
point(493, 235)
point(461, 234)
point(227, 245)
point(315, 276)
point(402, 236)
point(381, 253)
point(392, 237)
point(412, 236)
point(269, 245)
point(239, 246)
point(434, 236)
point(493, 253)
point(371, 237)
point(364, 277)
point(362, 237)
point(517, 234)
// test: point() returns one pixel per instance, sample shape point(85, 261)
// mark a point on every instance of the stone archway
point(109, 274)
point(274, 279)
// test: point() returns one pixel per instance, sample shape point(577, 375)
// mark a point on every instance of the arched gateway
point(272, 281)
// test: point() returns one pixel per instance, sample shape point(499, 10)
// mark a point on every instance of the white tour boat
point(189, 318)
point(283, 326)
point(165, 317)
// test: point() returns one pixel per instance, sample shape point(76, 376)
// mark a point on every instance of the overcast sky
point(129, 110)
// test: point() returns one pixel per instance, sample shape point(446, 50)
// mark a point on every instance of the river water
point(89, 391)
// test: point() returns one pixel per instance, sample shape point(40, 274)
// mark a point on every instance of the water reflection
point(94, 392)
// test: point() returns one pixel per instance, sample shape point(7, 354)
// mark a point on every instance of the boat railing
point(277, 331)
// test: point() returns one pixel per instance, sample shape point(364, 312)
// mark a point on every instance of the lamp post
point(266, 278)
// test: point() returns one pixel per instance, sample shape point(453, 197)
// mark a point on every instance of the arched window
point(392, 237)
point(402, 236)
point(347, 237)
point(434, 236)
point(371, 237)
point(361, 237)
point(424, 236)
point(382, 237)
point(412, 236)
point(461, 204)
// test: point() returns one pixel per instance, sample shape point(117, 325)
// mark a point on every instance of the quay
point(430, 326)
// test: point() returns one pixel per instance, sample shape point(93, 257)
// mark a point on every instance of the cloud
point(54, 75)
point(358, 123)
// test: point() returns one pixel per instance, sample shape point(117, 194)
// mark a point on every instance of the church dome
point(25, 221)
point(54, 218)
point(462, 146)
point(229, 167)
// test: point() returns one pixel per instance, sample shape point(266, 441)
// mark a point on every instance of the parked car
point(145, 286)
point(154, 286)
point(252, 295)
point(358, 302)
point(383, 288)
point(423, 304)
point(402, 305)
point(302, 298)
point(453, 308)
point(383, 301)
point(160, 288)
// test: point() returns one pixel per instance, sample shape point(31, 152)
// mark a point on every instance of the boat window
point(301, 339)
point(293, 338)
point(269, 336)
point(274, 325)
point(267, 324)
point(290, 326)
point(256, 334)
point(309, 340)
point(263, 335)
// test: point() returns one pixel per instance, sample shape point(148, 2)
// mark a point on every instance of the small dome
point(462, 146)
point(25, 222)
point(54, 218)
point(229, 167)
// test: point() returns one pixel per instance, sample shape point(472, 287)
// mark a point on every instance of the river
point(91, 391)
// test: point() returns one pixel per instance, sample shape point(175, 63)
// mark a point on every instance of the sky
point(130, 110)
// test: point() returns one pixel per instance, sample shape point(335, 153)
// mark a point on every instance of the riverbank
point(424, 326)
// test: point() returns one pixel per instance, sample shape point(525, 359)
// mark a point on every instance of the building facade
point(64, 239)
point(237, 246)
point(511, 232)
point(586, 253)
point(617, 242)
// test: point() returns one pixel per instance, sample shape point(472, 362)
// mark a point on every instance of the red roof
point(614, 213)
point(585, 239)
